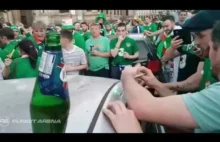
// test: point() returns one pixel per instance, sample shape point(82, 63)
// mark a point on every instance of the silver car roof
point(85, 95)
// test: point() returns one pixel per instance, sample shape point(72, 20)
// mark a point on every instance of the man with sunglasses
point(123, 50)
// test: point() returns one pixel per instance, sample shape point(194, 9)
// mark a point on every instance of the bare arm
point(170, 54)
point(191, 83)
point(157, 110)
point(135, 56)
point(156, 33)
point(104, 54)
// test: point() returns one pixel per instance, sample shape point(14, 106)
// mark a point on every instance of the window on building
point(114, 12)
point(126, 12)
point(118, 13)
point(106, 11)
point(64, 11)
point(88, 10)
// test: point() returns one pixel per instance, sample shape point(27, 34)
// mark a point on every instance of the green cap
point(15, 27)
point(67, 27)
point(101, 16)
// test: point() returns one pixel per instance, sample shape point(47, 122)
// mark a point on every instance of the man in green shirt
point(98, 53)
point(9, 44)
point(109, 30)
point(202, 78)
point(150, 27)
point(198, 111)
point(77, 27)
point(85, 28)
point(123, 50)
point(17, 32)
point(78, 40)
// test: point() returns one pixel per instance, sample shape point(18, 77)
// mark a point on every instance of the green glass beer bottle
point(50, 103)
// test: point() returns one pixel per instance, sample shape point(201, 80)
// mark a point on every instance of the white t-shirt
point(75, 57)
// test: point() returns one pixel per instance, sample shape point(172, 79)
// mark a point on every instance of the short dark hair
point(168, 17)
point(121, 25)
point(84, 23)
point(7, 32)
point(66, 34)
point(215, 35)
point(182, 11)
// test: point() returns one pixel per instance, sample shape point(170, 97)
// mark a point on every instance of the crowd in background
point(104, 49)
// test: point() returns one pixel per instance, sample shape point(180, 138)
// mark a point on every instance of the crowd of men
point(187, 101)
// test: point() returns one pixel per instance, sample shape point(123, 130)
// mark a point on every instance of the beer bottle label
point(52, 76)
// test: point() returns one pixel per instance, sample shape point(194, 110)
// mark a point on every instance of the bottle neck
point(53, 47)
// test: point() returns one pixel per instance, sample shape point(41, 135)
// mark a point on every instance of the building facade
point(59, 16)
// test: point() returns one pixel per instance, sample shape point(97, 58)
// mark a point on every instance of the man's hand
point(114, 52)
point(95, 52)
point(21, 25)
point(129, 72)
point(122, 119)
point(175, 44)
point(120, 38)
point(126, 55)
point(8, 62)
point(147, 33)
point(148, 77)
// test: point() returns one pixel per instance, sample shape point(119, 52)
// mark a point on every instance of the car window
point(143, 51)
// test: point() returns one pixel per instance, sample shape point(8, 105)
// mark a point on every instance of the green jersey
point(163, 45)
point(86, 35)
point(8, 48)
point(150, 27)
point(21, 68)
point(114, 28)
point(102, 45)
point(2, 55)
point(78, 40)
point(207, 78)
point(128, 45)
point(110, 33)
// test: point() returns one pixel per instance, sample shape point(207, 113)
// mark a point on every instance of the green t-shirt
point(86, 35)
point(114, 28)
point(102, 45)
point(21, 68)
point(151, 27)
point(128, 45)
point(2, 55)
point(78, 40)
point(110, 33)
point(207, 78)
point(39, 46)
point(8, 48)
point(204, 107)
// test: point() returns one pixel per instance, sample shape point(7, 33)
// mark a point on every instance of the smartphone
point(183, 34)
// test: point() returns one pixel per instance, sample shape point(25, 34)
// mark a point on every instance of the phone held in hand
point(183, 34)
point(91, 47)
